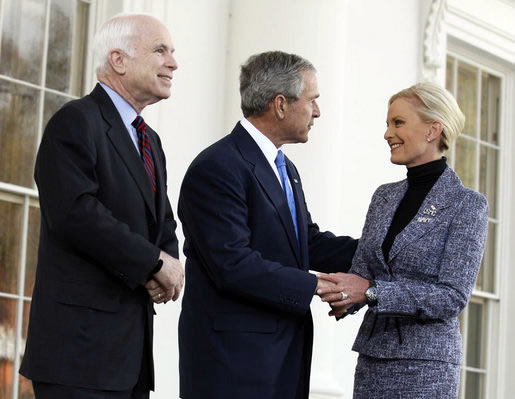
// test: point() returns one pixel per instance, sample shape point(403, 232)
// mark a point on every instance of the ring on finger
point(344, 296)
point(159, 296)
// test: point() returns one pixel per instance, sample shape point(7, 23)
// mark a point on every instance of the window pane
point(66, 48)
point(18, 133)
point(475, 335)
point(488, 177)
point(465, 164)
point(25, 388)
point(52, 104)
point(22, 49)
point(467, 96)
point(490, 98)
point(474, 381)
point(11, 220)
point(449, 81)
point(32, 250)
point(486, 278)
point(7, 344)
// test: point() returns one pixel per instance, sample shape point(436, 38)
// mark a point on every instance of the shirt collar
point(127, 113)
point(266, 146)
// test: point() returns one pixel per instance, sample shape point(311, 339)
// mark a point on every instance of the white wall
point(362, 58)
point(188, 121)
point(364, 52)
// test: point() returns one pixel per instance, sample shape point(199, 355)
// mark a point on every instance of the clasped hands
point(167, 283)
point(332, 288)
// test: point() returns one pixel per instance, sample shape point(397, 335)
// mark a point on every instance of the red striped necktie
point(144, 149)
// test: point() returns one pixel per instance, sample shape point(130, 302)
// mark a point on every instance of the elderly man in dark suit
point(108, 245)
point(245, 329)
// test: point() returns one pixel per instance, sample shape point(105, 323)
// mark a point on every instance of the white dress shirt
point(266, 146)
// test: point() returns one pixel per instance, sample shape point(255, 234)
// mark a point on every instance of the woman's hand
point(349, 289)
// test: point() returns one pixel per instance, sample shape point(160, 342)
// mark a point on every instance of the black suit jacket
point(101, 234)
point(245, 328)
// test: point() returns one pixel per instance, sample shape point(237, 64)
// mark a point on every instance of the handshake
point(167, 283)
point(341, 291)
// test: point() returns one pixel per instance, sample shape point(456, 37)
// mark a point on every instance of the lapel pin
point(430, 211)
point(295, 180)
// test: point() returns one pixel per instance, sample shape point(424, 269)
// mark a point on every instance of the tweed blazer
point(429, 276)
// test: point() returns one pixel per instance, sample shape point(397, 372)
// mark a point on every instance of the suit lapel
point(300, 205)
point(119, 136)
point(431, 213)
point(268, 181)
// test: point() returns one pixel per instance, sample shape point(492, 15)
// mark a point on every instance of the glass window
point(8, 314)
point(23, 32)
point(467, 96)
point(43, 47)
point(475, 157)
point(19, 107)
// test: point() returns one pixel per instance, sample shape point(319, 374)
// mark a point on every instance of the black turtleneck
point(421, 179)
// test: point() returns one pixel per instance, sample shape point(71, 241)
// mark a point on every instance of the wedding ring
point(344, 296)
point(159, 295)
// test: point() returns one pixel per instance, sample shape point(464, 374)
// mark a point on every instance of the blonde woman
point(417, 261)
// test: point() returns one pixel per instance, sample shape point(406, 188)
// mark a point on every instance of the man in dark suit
point(107, 245)
point(245, 329)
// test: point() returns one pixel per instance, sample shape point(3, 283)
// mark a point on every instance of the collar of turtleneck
point(425, 175)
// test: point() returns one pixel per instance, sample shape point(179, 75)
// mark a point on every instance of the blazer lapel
point(119, 136)
point(384, 211)
point(268, 181)
point(431, 214)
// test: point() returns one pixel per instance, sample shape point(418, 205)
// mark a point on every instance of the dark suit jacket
point(245, 329)
point(101, 234)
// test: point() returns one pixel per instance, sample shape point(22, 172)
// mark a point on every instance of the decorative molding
point(434, 42)
point(480, 34)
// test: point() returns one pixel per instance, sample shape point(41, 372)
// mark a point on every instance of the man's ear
point(116, 60)
point(280, 106)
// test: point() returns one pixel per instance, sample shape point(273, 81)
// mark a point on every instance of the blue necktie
point(283, 174)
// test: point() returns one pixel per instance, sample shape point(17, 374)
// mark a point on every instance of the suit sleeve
point(329, 253)
point(458, 270)
point(214, 213)
point(68, 188)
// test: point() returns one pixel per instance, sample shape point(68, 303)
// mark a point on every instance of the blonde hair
point(436, 104)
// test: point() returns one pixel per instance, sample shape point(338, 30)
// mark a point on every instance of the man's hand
point(170, 280)
point(347, 289)
point(323, 284)
point(338, 311)
point(155, 291)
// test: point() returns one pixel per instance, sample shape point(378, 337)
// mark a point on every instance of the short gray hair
point(436, 104)
point(266, 75)
point(118, 32)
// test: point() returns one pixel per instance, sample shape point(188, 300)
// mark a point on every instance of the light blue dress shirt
point(127, 113)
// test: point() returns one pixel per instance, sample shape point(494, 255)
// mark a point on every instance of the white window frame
point(30, 195)
point(496, 306)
